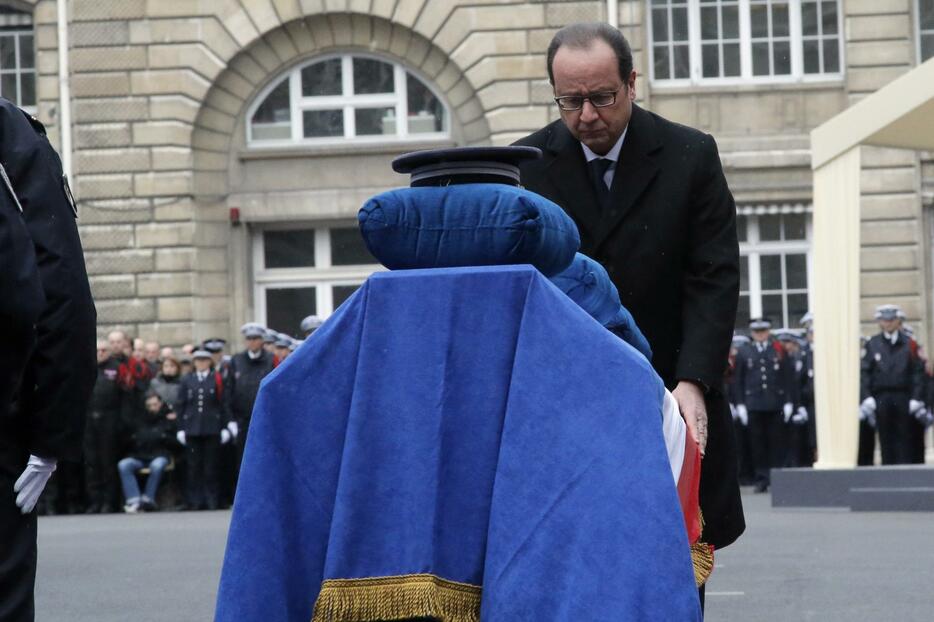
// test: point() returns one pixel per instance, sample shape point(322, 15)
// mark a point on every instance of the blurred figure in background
point(151, 356)
point(746, 468)
point(149, 448)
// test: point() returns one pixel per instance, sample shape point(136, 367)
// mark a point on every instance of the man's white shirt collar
point(612, 154)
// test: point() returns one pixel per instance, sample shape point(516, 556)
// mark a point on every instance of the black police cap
point(465, 165)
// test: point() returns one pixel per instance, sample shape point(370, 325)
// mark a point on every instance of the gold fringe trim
point(702, 556)
point(396, 598)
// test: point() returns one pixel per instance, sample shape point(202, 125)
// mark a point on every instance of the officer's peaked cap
point(760, 323)
point(310, 323)
point(200, 354)
point(888, 312)
point(465, 165)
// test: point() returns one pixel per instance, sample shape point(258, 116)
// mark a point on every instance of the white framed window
point(346, 97)
point(17, 58)
point(744, 41)
point(303, 269)
point(924, 10)
point(775, 263)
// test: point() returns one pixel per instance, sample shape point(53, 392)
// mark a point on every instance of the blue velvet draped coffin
point(467, 225)
point(471, 423)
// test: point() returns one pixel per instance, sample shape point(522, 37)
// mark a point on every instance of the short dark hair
point(582, 35)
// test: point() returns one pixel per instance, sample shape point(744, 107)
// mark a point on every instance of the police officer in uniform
point(764, 378)
point(746, 469)
point(47, 364)
point(203, 419)
point(797, 452)
point(247, 370)
point(805, 408)
point(892, 389)
point(310, 324)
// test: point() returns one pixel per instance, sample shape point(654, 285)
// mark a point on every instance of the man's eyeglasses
point(597, 100)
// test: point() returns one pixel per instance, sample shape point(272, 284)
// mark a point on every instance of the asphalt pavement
point(791, 565)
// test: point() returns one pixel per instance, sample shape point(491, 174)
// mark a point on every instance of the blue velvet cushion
point(467, 225)
point(586, 282)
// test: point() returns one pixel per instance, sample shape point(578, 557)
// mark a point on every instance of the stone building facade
point(222, 147)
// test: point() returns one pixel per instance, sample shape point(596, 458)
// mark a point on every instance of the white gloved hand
point(180, 435)
point(789, 410)
point(733, 412)
point(225, 436)
point(914, 406)
point(742, 414)
point(868, 405)
point(925, 417)
point(234, 428)
point(868, 416)
point(801, 416)
point(32, 482)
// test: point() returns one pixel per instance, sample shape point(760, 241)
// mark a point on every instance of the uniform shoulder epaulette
point(34, 122)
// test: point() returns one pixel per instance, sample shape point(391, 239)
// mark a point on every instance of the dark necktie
point(597, 169)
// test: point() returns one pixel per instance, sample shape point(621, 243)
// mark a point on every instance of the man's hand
point(691, 404)
point(32, 482)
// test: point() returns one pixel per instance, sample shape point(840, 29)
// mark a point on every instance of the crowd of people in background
point(160, 416)
point(770, 382)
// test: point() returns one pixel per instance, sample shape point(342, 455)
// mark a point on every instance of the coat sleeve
point(711, 274)
point(740, 378)
point(865, 371)
point(917, 372)
point(61, 371)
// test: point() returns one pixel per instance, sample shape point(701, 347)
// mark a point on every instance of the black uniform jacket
point(201, 408)
point(668, 241)
point(61, 370)
point(765, 380)
point(243, 380)
point(892, 367)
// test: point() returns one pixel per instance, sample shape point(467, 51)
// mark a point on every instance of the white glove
point(742, 414)
point(788, 409)
point(869, 416)
point(32, 482)
point(225, 436)
point(733, 412)
point(234, 428)
point(914, 406)
point(801, 416)
point(925, 417)
point(180, 435)
point(868, 405)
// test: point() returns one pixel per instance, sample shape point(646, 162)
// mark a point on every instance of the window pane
point(711, 58)
point(926, 7)
point(322, 78)
point(809, 19)
point(8, 52)
point(372, 76)
point(741, 227)
point(743, 273)
point(927, 46)
point(341, 293)
point(289, 249)
point(831, 56)
point(742, 312)
point(273, 119)
point(659, 25)
point(731, 66)
point(662, 71)
point(811, 57)
point(679, 24)
point(772, 309)
point(782, 52)
point(829, 17)
point(780, 26)
point(797, 306)
point(28, 92)
point(26, 52)
point(730, 19)
point(770, 271)
point(709, 27)
point(375, 121)
point(426, 113)
point(795, 226)
point(770, 227)
point(682, 61)
point(759, 19)
point(348, 249)
point(286, 308)
point(323, 123)
point(8, 87)
point(760, 59)
point(796, 271)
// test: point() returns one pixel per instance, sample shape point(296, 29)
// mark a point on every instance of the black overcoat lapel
point(635, 171)
point(566, 172)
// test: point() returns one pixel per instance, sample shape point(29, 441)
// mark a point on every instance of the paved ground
point(792, 565)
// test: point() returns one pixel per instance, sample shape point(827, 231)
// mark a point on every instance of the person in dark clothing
point(150, 446)
point(168, 383)
point(797, 450)
point(806, 399)
point(203, 420)
point(746, 468)
point(764, 378)
point(892, 389)
point(247, 370)
point(48, 325)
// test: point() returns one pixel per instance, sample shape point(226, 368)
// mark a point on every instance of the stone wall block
point(192, 55)
point(171, 159)
point(174, 309)
point(504, 93)
point(111, 58)
point(882, 258)
point(100, 84)
point(212, 308)
point(174, 259)
point(106, 237)
point(287, 10)
point(362, 28)
point(163, 184)
point(480, 45)
point(320, 30)
point(125, 310)
point(506, 68)
point(171, 284)
point(108, 212)
point(218, 39)
point(174, 209)
point(342, 28)
point(166, 30)
point(889, 232)
point(877, 27)
point(173, 334)
point(112, 286)
point(563, 13)
point(874, 7)
point(263, 14)
point(162, 133)
point(110, 109)
point(888, 180)
point(172, 107)
point(889, 206)
point(96, 34)
point(169, 81)
point(508, 119)
point(212, 259)
point(240, 27)
point(407, 11)
point(301, 36)
point(103, 186)
point(869, 79)
point(432, 17)
point(119, 262)
point(112, 160)
point(89, 10)
point(160, 235)
point(282, 44)
point(892, 283)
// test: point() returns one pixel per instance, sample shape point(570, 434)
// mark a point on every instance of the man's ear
point(632, 85)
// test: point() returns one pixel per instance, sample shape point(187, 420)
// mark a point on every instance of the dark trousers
point(17, 540)
point(767, 436)
point(899, 432)
point(202, 454)
point(64, 493)
point(798, 453)
point(100, 458)
point(867, 445)
point(747, 472)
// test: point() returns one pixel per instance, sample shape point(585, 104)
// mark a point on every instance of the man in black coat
point(47, 366)
point(653, 207)
point(247, 369)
